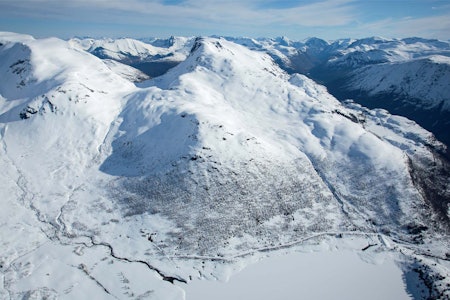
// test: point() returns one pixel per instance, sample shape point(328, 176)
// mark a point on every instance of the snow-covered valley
point(116, 186)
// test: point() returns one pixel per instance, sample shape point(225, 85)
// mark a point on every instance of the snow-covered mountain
point(344, 53)
point(151, 56)
point(126, 71)
point(417, 88)
point(112, 189)
point(375, 72)
point(406, 76)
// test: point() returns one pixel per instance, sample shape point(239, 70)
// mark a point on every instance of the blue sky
point(328, 19)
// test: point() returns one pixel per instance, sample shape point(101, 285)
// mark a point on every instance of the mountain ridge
point(336, 63)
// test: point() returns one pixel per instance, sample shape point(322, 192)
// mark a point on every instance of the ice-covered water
point(315, 275)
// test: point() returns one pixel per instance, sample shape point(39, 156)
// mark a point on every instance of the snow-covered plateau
point(119, 186)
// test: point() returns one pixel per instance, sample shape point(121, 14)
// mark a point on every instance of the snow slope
point(125, 71)
point(117, 49)
point(151, 56)
point(423, 79)
point(405, 76)
point(131, 188)
point(56, 106)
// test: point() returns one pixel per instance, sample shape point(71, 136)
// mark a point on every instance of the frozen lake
point(315, 275)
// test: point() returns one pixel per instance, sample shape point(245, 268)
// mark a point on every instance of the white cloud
point(324, 13)
point(326, 18)
point(433, 27)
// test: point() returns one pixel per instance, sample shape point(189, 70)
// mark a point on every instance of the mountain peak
point(283, 41)
point(203, 43)
point(226, 58)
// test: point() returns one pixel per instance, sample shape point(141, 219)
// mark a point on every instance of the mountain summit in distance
point(133, 169)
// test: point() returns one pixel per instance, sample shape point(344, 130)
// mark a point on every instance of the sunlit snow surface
point(312, 273)
point(116, 190)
